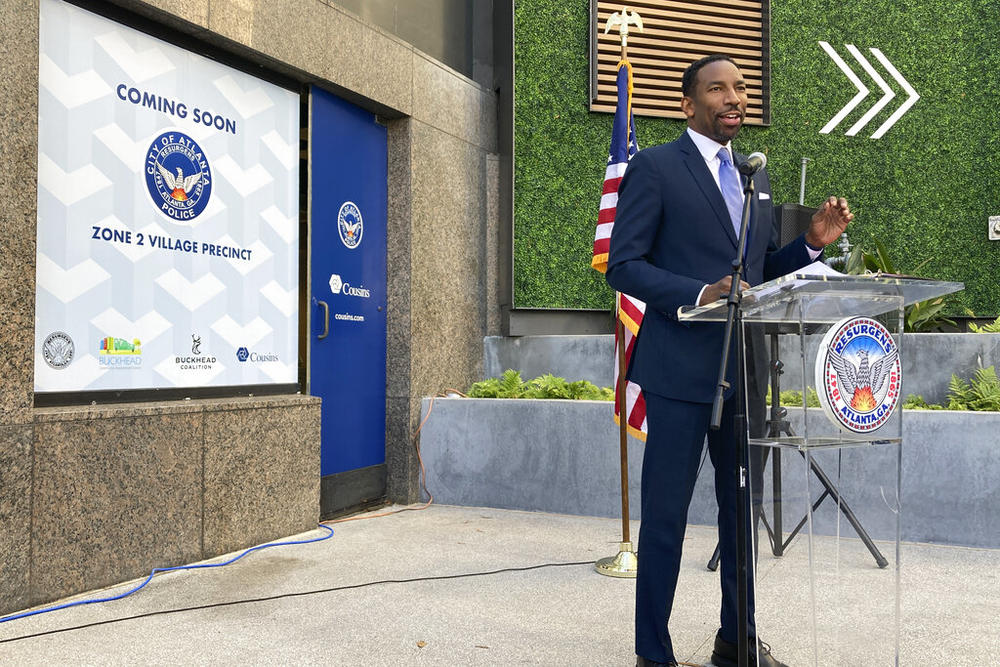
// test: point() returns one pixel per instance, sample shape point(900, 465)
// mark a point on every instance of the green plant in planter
point(793, 398)
point(993, 327)
point(917, 402)
point(981, 393)
point(510, 385)
point(923, 316)
point(507, 386)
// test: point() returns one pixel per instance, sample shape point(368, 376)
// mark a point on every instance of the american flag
point(630, 310)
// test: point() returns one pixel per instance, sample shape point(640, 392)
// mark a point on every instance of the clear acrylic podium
point(827, 526)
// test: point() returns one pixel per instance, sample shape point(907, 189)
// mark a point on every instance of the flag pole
point(625, 563)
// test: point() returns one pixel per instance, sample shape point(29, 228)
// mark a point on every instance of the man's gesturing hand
point(719, 290)
point(829, 222)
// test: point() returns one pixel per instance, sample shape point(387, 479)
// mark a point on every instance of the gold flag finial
point(623, 20)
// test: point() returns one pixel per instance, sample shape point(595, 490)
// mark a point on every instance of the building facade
point(100, 488)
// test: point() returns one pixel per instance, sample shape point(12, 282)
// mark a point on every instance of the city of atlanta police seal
point(858, 374)
point(178, 176)
point(350, 225)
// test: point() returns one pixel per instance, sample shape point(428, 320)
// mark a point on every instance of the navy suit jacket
point(672, 236)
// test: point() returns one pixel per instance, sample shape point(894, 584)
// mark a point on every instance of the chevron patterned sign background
point(196, 288)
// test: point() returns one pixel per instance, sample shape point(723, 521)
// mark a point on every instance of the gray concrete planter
point(563, 456)
point(928, 359)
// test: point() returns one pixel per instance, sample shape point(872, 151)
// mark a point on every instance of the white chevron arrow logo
point(905, 106)
point(887, 93)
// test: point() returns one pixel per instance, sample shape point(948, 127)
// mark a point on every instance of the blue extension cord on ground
point(157, 570)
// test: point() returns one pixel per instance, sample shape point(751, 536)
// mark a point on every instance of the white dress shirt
point(709, 149)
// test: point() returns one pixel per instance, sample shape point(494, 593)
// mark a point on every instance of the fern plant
point(993, 327)
point(959, 393)
point(986, 390)
point(510, 385)
point(981, 393)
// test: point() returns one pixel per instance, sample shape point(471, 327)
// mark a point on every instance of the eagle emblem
point(180, 184)
point(58, 350)
point(862, 382)
point(350, 224)
point(859, 374)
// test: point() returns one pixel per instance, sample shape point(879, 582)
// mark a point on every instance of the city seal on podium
point(858, 374)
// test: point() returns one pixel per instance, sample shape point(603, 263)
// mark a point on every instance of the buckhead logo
point(858, 374)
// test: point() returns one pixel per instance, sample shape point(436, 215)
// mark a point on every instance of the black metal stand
point(734, 321)
point(777, 425)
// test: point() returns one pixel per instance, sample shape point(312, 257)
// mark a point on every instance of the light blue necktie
point(732, 191)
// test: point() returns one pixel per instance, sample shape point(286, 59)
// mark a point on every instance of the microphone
point(753, 164)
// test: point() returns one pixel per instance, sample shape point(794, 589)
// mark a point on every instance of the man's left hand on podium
point(829, 222)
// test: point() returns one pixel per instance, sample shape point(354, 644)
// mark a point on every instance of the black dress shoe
point(726, 654)
point(646, 662)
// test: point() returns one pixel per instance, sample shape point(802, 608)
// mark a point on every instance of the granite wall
point(95, 495)
point(217, 475)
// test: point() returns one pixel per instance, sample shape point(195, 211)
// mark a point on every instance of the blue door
point(348, 157)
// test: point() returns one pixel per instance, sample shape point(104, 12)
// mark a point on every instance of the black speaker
point(794, 220)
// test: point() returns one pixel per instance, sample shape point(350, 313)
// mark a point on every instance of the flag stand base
point(624, 565)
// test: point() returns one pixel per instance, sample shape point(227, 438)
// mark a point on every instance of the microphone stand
point(734, 319)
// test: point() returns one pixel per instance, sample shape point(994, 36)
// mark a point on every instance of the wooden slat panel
point(745, 29)
point(676, 33)
point(751, 21)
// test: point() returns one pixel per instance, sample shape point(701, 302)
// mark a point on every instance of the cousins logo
point(858, 374)
point(178, 176)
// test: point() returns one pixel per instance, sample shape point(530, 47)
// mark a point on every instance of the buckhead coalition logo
point(197, 361)
point(178, 176)
point(858, 374)
point(58, 349)
point(350, 224)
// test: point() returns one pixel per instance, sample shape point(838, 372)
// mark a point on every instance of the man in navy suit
point(673, 244)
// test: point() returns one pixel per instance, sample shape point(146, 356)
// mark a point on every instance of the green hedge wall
point(925, 189)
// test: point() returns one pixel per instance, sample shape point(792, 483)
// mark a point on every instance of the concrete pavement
point(455, 608)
